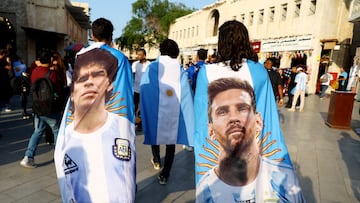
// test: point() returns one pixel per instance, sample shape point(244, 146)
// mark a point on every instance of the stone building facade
point(316, 33)
point(354, 17)
point(31, 25)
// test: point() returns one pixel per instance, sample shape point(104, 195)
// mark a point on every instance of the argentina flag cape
point(120, 107)
point(166, 104)
point(270, 140)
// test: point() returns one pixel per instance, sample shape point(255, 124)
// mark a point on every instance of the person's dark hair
point(270, 59)
point(45, 57)
point(170, 48)
point(142, 50)
point(99, 57)
point(102, 29)
point(223, 84)
point(234, 44)
point(202, 53)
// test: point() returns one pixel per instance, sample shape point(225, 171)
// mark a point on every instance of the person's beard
point(237, 163)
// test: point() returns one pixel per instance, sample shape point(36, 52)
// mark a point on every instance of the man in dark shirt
point(194, 69)
point(276, 81)
point(40, 121)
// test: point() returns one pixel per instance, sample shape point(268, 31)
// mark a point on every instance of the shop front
point(287, 52)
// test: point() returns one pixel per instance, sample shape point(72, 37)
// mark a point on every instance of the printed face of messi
point(234, 122)
point(90, 87)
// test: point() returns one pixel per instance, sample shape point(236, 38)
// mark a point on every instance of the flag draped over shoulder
point(121, 101)
point(270, 140)
point(119, 130)
point(166, 104)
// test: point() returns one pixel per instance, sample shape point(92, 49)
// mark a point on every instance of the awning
point(36, 32)
point(80, 16)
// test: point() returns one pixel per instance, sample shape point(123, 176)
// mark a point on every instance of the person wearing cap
point(300, 87)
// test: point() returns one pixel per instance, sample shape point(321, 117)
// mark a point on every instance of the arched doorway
point(214, 23)
point(215, 17)
point(7, 33)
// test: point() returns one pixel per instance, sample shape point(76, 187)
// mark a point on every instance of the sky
point(119, 12)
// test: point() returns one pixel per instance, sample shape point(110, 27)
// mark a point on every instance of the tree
point(150, 23)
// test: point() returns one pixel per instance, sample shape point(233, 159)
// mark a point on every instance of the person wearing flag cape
point(95, 150)
point(242, 175)
point(166, 105)
point(236, 58)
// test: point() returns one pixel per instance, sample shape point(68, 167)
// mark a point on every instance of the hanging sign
point(287, 44)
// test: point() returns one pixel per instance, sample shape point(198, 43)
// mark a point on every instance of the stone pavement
point(327, 161)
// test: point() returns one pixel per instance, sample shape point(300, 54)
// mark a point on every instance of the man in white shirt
point(354, 75)
point(138, 68)
point(301, 80)
point(325, 82)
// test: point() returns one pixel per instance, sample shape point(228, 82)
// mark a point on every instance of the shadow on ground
point(15, 134)
point(177, 187)
point(349, 148)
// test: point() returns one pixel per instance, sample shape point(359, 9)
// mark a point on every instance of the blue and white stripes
point(166, 104)
point(271, 141)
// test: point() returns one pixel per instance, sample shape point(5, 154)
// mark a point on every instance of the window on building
point(242, 18)
point(297, 8)
point(192, 31)
point(184, 36)
point(271, 14)
point(197, 30)
point(312, 7)
point(215, 17)
point(283, 11)
point(251, 18)
point(180, 34)
point(188, 33)
point(261, 16)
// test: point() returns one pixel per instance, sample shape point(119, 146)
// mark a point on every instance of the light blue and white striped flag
point(270, 140)
point(166, 104)
point(122, 117)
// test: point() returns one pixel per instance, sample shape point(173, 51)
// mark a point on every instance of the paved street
point(327, 161)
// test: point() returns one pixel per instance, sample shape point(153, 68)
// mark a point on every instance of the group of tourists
point(225, 111)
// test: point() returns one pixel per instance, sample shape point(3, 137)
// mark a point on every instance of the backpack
point(44, 98)
point(324, 78)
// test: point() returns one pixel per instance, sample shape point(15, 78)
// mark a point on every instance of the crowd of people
point(17, 80)
point(16, 77)
point(225, 109)
point(293, 83)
